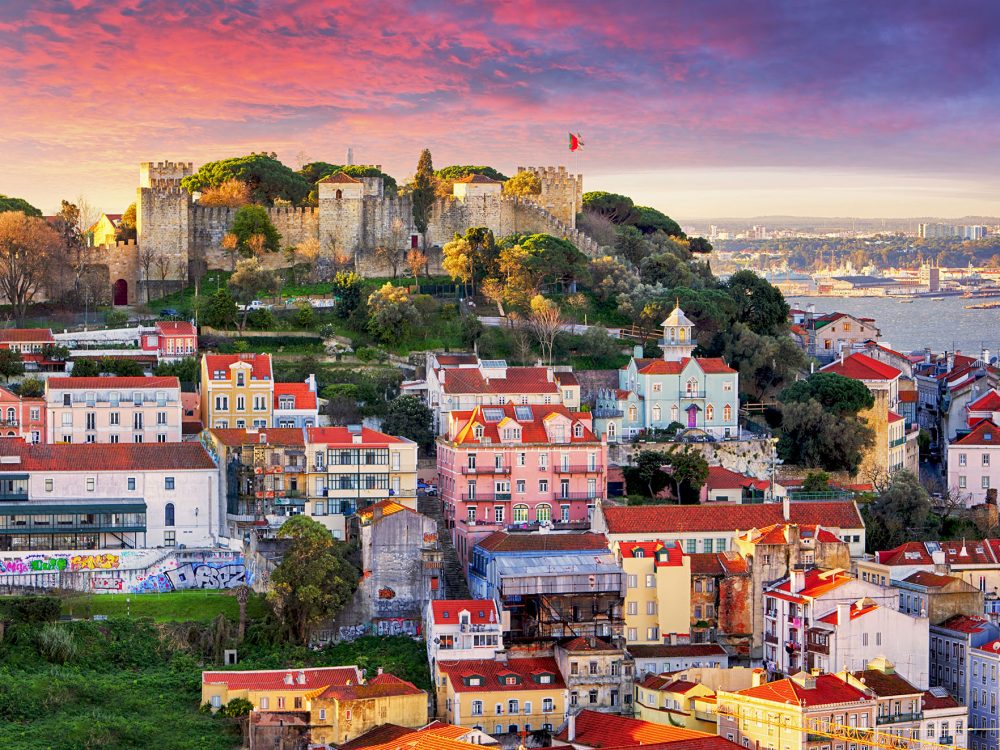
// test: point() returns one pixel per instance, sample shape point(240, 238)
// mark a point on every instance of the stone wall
point(562, 192)
point(751, 456)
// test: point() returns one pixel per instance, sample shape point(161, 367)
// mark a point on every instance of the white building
point(459, 629)
point(73, 496)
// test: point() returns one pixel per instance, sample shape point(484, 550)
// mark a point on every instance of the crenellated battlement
point(164, 172)
point(165, 186)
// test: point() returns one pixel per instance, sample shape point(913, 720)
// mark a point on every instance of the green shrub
point(31, 610)
point(56, 644)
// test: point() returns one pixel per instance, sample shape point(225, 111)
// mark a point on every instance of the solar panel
point(522, 413)
point(492, 415)
point(494, 363)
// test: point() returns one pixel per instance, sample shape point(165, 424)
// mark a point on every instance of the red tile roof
point(885, 684)
point(502, 541)
point(493, 674)
point(893, 417)
point(190, 402)
point(678, 651)
point(518, 380)
point(110, 457)
point(721, 478)
point(991, 648)
point(380, 686)
point(457, 359)
point(532, 431)
point(304, 397)
point(674, 519)
point(674, 557)
point(833, 618)
point(478, 179)
point(275, 679)
point(338, 177)
point(380, 735)
point(931, 701)
point(717, 563)
point(778, 534)
point(817, 582)
point(26, 336)
point(965, 623)
point(709, 742)
point(481, 611)
point(341, 436)
point(566, 378)
point(667, 682)
point(233, 437)
point(908, 397)
point(260, 365)
point(829, 689)
point(580, 643)
point(175, 328)
point(989, 401)
point(958, 552)
point(163, 381)
point(600, 730)
point(863, 367)
point(930, 580)
point(985, 433)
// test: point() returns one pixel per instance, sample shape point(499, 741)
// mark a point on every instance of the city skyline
point(701, 110)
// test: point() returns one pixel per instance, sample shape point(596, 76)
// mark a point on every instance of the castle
point(177, 237)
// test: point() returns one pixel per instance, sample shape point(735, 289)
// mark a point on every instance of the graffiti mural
point(193, 576)
point(49, 562)
point(107, 584)
point(384, 626)
point(386, 593)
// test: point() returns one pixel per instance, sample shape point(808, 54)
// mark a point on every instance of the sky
point(700, 108)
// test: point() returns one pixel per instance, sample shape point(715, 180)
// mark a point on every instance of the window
point(222, 403)
point(543, 485)
point(137, 420)
point(217, 701)
point(168, 514)
point(520, 514)
point(632, 636)
point(168, 483)
point(633, 581)
point(543, 513)
point(633, 414)
point(962, 459)
point(91, 484)
point(548, 705)
point(709, 413)
point(632, 608)
point(691, 546)
point(161, 417)
point(986, 459)
point(656, 413)
point(114, 418)
point(169, 538)
point(35, 414)
point(727, 413)
point(961, 482)
point(477, 708)
point(297, 703)
point(650, 608)
point(322, 714)
point(512, 706)
point(592, 697)
point(498, 514)
point(986, 482)
point(650, 580)
point(519, 486)
point(91, 420)
point(657, 387)
point(281, 702)
point(652, 634)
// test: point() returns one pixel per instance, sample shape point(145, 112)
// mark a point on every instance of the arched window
point(692, 386)
point(168, 514)
point(543, 512)
point(727, 412)
point(520, 514)
point(578, 430)
point(611, 429)
point(512, 707)
point(11, 414)
point(681, 334)
point(673, 413)
point(633, 413)
point(656, 413)
point(340, 194)
point(709, 413)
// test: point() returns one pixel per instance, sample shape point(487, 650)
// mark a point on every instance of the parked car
point(258, 305)
point(169, 312)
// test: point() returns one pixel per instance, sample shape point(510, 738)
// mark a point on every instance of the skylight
point(523, 413)
point(493, 415)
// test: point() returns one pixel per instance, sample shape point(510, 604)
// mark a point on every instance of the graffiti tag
point(193, 576)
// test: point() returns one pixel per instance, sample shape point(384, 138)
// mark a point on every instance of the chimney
point(301, 679)
point(792, 535)
point(311, 382)
point(758, 677)
point(571, 729)
point(289, 680)
point(951, 361)
point(927, 355)
point(637, 351)
point(786, 508)
point(843, 614)
point(798, 581)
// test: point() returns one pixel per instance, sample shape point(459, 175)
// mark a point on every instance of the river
point(911, 326)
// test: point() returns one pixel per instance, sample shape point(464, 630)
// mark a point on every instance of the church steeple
point(678, 336)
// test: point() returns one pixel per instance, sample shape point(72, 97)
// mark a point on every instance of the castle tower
point(678, 336)
point(562, 192)
point(341, 212)
point(163, 217)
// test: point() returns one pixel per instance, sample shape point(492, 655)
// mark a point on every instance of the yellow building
point(523, 693)
point(674, 701)
point(339, 704)
point(352, 468)
point(105, 230)
point(237, 390)
point(658, 591)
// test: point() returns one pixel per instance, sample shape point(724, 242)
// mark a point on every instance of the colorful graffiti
point(386, 593)
point(106, 584)
point(56, 563)
point(194, 576)
point(385, 626)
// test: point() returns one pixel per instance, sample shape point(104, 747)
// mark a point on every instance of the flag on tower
point(575, 142)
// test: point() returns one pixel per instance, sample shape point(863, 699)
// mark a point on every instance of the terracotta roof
point(884, 684)
point(234, 437)
point(502, 541)
point(674, 519)
point(379, 735)
point(678, 651)
point(989, 401)
point(518, 380)
point(441, 729)
point(675, 555)
point(481, 611)
point(586, 644)
point(957, 552)
point(494, 674)
point(667, 682)
point(387, 508)
point(817, 582)
point(260, 365)
point(892, 417)
point(26, 335)
point(110, 457)
point(908, 397)
point(709, 742)
point(600, 730)
point(930, 580)
point(275, 679)
point(931, 701)
point(190, 402)
point(833, 618)
point(457, 359)
point(829, 689)
point(717, 563)
point(478, 179)
point(304, 397)
point(164, 381)
point(341, 436)
point(778, 534)
point(566, 378)
point(862, 367)
point(985, 433)
point(991, 648)
point(338, 177)
point(721, 478)
point(532, 430)
point(965, 624)
point(176, 328)
point(380, 686)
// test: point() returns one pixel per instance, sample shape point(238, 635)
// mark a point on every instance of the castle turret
point(162, 218)
point(341, 213)
point(678, 336)
point(562, 192)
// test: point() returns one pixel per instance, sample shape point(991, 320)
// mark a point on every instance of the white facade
point(113, 410)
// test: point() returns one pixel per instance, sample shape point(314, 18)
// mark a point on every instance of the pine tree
point(423, 193)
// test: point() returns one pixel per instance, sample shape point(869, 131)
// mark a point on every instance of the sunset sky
point(702, 108)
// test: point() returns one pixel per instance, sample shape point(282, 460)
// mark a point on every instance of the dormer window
point(474, 681)
point(478, 432)
point(638, 552)
point(241, 379)
point(578, 430)
point(545, 679)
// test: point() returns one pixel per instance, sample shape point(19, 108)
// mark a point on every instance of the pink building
point(520, 466)
point(22, 416)
point(172, 340)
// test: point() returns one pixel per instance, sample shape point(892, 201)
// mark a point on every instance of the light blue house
point(984, 691)
point(698, 393)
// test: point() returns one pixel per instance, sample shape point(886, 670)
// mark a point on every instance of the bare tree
point(545, 321)
point(28, 246)
point(305, 253)
point(146, 256)
point(417, 261)
point(522, 335)
point(163, 266)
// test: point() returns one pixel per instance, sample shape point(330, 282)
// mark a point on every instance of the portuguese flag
point(575, 142)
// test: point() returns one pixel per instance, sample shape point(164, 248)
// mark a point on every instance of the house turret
point(678, 336)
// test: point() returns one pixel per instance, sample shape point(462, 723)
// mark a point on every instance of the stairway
point(455, 585)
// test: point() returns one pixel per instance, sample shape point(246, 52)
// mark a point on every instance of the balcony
point(818, 648)
point(810, 737)
point(901, 719)
point(486, 469)
point(591, 496)
point(771, 638)
point(896, 442)
point(773, 613)
point(692, 395)
point(578, 469)
point(9, 423)
point(485, 497)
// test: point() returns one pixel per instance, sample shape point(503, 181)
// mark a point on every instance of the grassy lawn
point(177, 606)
